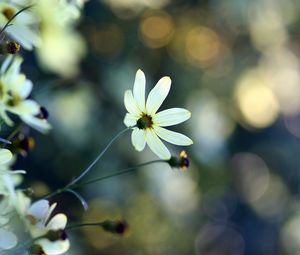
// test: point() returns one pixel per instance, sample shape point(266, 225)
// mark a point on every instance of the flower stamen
point(144, 122)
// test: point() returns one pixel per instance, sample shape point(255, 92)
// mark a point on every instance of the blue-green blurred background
point(235, 65)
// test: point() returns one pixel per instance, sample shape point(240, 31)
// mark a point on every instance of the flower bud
point(119, 227)
point(55, 235)
point(22, 144)
point(9, 48)
point(181, 162)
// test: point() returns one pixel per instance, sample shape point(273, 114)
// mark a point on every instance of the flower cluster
point(17, 210)
point(47, 28)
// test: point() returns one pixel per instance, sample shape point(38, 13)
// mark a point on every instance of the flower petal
point(130, 120)
point(139, 89)
point(52, 207)
point(138, 139)
point(55, 247)
point(59, 221)
point(172, 137)
point(158, 94)
point(130, 103)
point(39, 209)
point(157, 146)
point(26, 88)
point(8, 239)
point(41, 125)
point(5, 156)
point(25, 107)
point(171, 117)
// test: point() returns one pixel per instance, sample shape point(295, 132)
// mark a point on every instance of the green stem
point(94, 224)
point(97, 158)
point(124, 171)
point(78, 178)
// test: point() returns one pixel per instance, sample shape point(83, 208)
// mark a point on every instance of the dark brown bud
point(55, 235)
point(9, 48)
point(119, 227)
point(22, 144)
point(13, 47)
point(181, 162)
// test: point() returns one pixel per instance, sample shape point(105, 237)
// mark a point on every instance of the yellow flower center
point(14, 100)
point(33, 220)
point(8, 12)
point(144, 122)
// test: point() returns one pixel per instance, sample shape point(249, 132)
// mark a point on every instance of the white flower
point(147, 123)
point(62, 46)
point(24, 28)
point(14, 92)
point(40, 224)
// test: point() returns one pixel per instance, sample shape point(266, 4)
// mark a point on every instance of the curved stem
point(121, 172)
point(78, 178)
point(97, 158)
point(124, 171)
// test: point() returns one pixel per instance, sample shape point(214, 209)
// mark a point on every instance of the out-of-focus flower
point(24, 28)
point(14, 92)
point(8, 239)
point(54, 239)
point(61, 46)
point(147, 123)
point(8, 181)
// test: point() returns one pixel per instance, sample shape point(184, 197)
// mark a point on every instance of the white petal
point(26, 88)
point(172, 137)
point(5, 156)
point(25, 107)
point(130, 120)
point(54, 248)
point(5, 117)
point(52, 207)
point(158, 94)
point(157, 146)
point(7, 239)
point(6, 63)
point(59, 221)
point(171, 117)
point(130, 103)
point(139, 89)
point(41, 125)
point(39, 209)
point(138, 139)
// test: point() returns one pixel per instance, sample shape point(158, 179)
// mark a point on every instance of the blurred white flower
point(14, 92)
point(39, 224)
point(147, 123)
point(61, 47)
point(23, 28)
